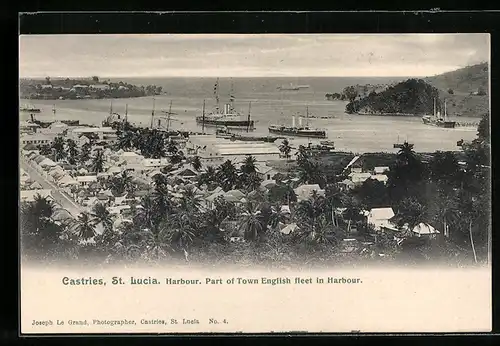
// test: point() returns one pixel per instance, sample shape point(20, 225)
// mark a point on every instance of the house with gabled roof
point(380, 219)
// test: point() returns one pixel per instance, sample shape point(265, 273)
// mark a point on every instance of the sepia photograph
point(238, 170)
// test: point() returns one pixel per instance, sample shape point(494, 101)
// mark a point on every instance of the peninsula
point(465, 89)
point(82, 88)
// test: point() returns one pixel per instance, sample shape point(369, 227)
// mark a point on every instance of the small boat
point(29, 109)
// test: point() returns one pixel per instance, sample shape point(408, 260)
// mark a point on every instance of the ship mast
point(231, 96)
point(307, 116)
point(248, 120)
point(203, 118)
point(216, 94)
point(153, 113)
point(168, 116)
point(126, 112)
point(434, 110)
point(54, 111)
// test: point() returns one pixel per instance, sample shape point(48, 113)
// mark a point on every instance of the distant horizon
point(241, 77)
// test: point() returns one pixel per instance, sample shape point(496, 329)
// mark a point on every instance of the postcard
point(255, 183)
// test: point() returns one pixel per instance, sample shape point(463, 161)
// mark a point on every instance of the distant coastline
point(89, 88)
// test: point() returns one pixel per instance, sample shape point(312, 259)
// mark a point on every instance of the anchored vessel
point(225, 133)
point(437, 120)
point(29, 109)
point(300, 131)
point(225, 116)
point(292, 87)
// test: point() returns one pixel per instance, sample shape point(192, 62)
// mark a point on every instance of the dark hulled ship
point(225, 116)
point(298, 131)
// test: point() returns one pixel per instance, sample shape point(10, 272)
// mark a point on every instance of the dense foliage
point(53, 89)
point(413, 96)
point(454, 197)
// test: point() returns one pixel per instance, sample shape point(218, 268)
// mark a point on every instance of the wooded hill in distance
point(465, 90)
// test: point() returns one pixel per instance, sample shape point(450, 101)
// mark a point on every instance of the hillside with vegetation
point(413, 96)
point(466, 80)
point(465, 91)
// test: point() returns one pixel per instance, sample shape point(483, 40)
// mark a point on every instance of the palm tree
point(352, 210)
point(310, 173)
point(161, 195)
point(282, 193)
point(410, 212)
point(85, 227)
point(406, 154)
point(45, 150)
point(101, 215)
point(277, 216)
point(42, 208)
point(72, 152)
point(58, 146)
point(227, 176)
point(302, 156)
point(125, 139)
point(252, 182)
point(98, 162)
point(285, 148)
point(196, 162)
point(183, 231)
point(190, 201)
point(36, 217)
point(309, 210)
point(172, 147)
point(334, 198)
point(208, 177)
point(148, 216)
point(157, 242)
point(319, 232)
point(85, 153)
point(251, 223)
point(248, 166)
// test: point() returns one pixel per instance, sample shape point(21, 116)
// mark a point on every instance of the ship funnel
point(300, 121)
point(32, 117)
point(293, 120)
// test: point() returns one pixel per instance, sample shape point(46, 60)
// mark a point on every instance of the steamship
point(300, 131)
point(225, 116)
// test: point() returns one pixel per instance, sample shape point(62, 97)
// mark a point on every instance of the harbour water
point(356, 133)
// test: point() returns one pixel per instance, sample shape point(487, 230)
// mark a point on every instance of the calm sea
point(268, 105)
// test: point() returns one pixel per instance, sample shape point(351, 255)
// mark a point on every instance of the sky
point(266, 55)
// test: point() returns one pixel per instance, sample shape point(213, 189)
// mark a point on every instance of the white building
point(379, 218)
point(36, 139)
point(100, 86)
point(381, 170)
point(85, 180)
point(304, 192)
point(214, 150)
point(104, 133)
point(424, 229)
point(29, 195)
point(131, 158)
